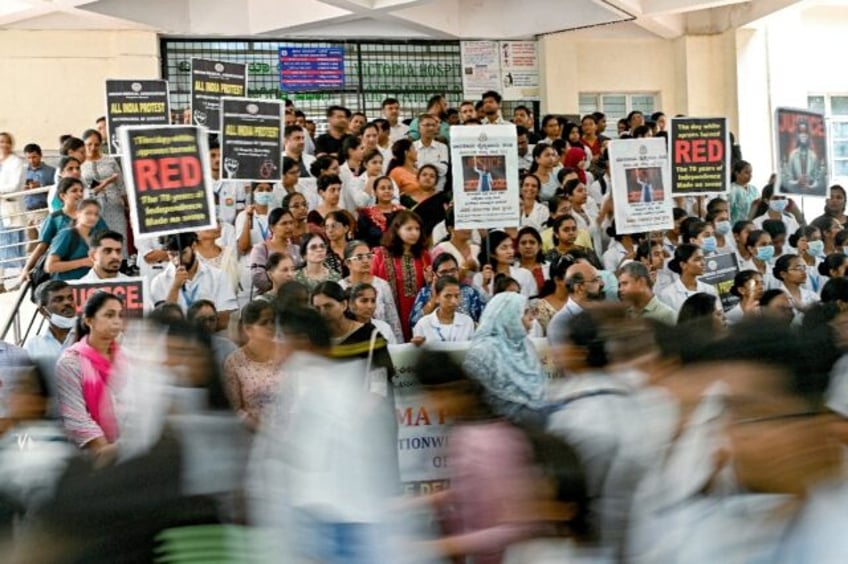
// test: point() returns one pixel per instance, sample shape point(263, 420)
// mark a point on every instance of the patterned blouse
point(252, 386)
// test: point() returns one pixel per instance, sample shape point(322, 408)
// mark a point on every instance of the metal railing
point(22, 228)
point(13, 321)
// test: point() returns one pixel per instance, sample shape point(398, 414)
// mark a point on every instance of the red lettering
point(681, 149)
point(715, 151)
point(130, 294)
point(169, 170)
point(145, 175)
point(699, 150)
point(191, 171)
point(789, 123)
point(404, 417)
point(422, 418)
point(167, 173)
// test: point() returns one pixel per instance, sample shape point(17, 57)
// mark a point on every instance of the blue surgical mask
point(778, 205)
point(815, 248)
point(709, 244)
point(262, 198)
point(766, 253)
point(722, 227)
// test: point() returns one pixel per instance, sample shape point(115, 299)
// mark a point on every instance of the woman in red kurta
point(404, 263)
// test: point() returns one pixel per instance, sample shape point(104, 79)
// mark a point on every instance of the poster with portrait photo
point(801, 149)
point(641, 179)
point(485, 176)
point(483, 173)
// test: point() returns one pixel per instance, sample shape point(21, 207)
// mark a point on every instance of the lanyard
point(263, 231)
point(189, 298)
point(449, 338)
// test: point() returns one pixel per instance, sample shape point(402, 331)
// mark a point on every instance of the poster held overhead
point(485, 176)
point(251, 140)
point(168, 179)
point(134, 102)
point(210, 81)
point(801, 149)
point(641, 185)
point(700, 156)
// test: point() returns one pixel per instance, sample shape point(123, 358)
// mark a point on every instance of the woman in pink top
point(252, 372)
point(494, 496)
point(88, 378)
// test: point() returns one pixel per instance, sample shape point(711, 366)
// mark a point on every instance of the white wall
point(576, 62)
point(53, 81)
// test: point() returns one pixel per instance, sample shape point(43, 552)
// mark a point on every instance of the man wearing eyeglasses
point(585, 286)
point(471, 301)
point(741, 463)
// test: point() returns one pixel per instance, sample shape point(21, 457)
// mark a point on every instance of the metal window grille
point(411, 71)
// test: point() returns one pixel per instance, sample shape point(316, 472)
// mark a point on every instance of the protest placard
point(210, 81)
point(719, 271)
point(169, 185)
point(641, 185)
point(133, 292)
point(423, 429)
point(700, 156)
point(801, 149)
point(251, 140)
point(485, 176)
point(134, 102)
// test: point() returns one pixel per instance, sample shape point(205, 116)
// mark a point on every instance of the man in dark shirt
point(38, 175)
point(330, 143)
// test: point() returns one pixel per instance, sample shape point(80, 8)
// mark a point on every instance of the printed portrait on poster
point(802, 151)
point(484, 173)
point(645, 184)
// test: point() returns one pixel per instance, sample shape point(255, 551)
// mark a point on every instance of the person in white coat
point(445, 324)
point(688, 264)
point(12, 178)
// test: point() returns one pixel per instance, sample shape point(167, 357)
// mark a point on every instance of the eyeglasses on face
point(362, 257)
point(316, 247)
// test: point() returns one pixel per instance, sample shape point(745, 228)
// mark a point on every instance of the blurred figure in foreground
point(731, 479)
point(494, 496)
point(324, 469)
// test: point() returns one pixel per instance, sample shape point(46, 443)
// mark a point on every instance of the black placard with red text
point(168, 179)
point(132, 292)
point(700, 156)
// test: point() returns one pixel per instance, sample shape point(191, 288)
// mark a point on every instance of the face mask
point(722, 227)
point(845, 251)
point(262, 198)
point(778, 205)
point(766, 253)
point(62, 322)
point(709, 244)
point(815, 248)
